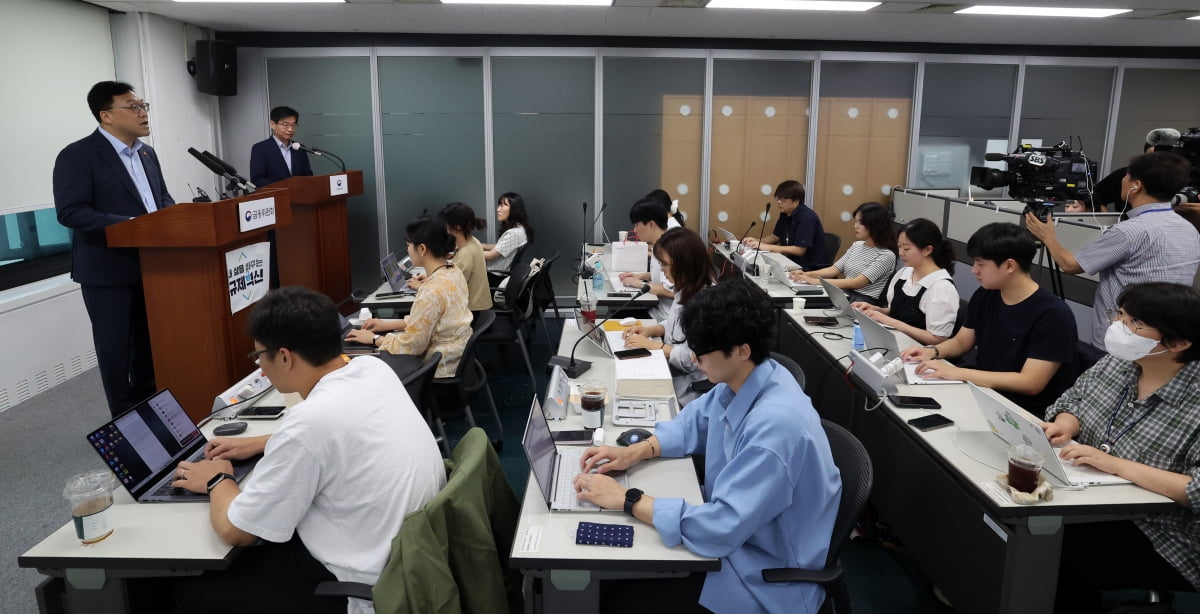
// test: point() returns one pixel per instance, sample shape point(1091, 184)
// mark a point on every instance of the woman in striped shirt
point(863, 271)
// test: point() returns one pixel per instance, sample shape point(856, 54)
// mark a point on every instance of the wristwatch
point(632, 496)
point(375, 340)
point(216, 479)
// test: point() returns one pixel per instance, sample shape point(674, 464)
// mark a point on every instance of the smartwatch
point(216, 479)
point(375, 341)
point(632, 496)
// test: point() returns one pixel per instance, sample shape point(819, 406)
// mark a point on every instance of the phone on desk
point(262, 412)
point(907, 402)
point(620, 295)
point(930, 422)
point(573, 437)
point(810, 291)
point(821, 320)
point(633, 353)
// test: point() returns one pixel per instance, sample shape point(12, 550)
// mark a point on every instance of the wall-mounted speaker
point(216, 67)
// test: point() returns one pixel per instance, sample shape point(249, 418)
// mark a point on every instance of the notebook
point(145, 444)
point(1014, 426)
point(354, 347)
point(555, 469)
point(838, 298)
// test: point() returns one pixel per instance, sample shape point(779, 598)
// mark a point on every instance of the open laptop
point(554, 469)
point(396, 272)
point(354, 347)
point(598, 337)
point(837, 297)
point(877, 337)
point(1016, 427)
point(145, 444)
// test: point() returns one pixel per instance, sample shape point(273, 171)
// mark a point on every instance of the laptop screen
point(540, 449)
point(145, 440)
point(597, 336)
point(391, 272)
point(838, 298)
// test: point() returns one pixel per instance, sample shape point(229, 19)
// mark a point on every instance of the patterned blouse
point(438, 322)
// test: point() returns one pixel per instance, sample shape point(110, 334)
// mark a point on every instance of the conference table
point(613, 293)
point(561, 576)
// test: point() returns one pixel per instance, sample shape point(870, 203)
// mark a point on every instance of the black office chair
point(832, 244)
point(791, 366)
point(419, 385)
point(454, 393)
point(544, 296)
point(857, 475)
point(495, 277)
point(512, 314)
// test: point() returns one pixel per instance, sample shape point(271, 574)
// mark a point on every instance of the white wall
point(244, 117)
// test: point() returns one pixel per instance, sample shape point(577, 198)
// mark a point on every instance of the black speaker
point(216, 67)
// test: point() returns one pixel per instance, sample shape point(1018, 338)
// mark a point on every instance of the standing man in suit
point(274, 159)
point(106, 178)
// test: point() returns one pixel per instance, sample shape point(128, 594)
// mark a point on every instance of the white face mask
point(1123, 343)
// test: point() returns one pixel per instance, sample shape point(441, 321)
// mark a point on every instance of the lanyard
point(1109, 441)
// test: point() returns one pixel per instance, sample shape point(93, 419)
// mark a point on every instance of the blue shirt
point(132, 160)
point(771, 491)
point(803, 229)
point(285, 150)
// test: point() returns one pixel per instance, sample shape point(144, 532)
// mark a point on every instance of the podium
point(199, 346)
point(314, 250)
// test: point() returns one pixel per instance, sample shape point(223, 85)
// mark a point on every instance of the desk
point(569, 573)
point(584, 287)
point(148, 540)
point(398, 305)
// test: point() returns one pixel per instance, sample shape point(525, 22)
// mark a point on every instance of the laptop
point(838, 297)
point(877, 337)
point(598, 337)
point(396, 273)
point(555, 469)
point(1015, 426)
point(145, 444)
point(354, 347)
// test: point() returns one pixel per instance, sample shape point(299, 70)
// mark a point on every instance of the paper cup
point(734, 244)
point(798, 303)
point(623, 235)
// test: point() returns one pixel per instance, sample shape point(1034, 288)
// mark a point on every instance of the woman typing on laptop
point(863, 271)
point(1136, 414)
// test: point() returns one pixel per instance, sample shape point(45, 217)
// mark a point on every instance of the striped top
point(875, 263)
point(508, 244)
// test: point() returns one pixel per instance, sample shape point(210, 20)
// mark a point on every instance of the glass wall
point(652, 134)
point(433, 138)
point(1067, 103)
point(964, 109)
point(337, 117)
point(760, 138)
point(544, 148)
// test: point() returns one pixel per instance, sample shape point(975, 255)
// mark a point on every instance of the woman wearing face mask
point(1136, 414)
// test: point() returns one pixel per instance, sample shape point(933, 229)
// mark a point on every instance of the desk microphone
point(754, 265)
point(574, 368)
point(243, 183)
point(596, 220)
point(742, 236)
point(319, 152)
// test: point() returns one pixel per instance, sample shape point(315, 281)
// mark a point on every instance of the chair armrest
point(795, 574)
point(358, 590)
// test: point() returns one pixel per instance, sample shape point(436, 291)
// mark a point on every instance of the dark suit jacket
point(92, 190)
point(267, 165)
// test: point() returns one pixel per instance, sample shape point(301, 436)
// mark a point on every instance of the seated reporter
point(685, 264)
point(1136, 414)
point(863, 271)
point(337, 477)
point(439, 320)
point(771, 490)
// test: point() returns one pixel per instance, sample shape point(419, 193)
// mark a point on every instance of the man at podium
point(276, 158)
point(106, 178)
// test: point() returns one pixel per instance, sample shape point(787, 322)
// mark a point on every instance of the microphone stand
point(758, 249)
point(573, 367)
point(584, 271)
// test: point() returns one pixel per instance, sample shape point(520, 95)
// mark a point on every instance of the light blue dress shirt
point(771, 487)
point(131, 158)
point(285, 151)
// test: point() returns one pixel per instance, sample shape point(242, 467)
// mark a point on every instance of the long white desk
point(545, 547)
point(610, 296)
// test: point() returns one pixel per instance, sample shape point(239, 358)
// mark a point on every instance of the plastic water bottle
point(859, 343)
point(598, 278)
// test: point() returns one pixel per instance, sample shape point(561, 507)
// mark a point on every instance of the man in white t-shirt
point(650, 222)
point(336, 479)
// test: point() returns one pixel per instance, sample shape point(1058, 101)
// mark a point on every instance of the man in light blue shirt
point(771, 490)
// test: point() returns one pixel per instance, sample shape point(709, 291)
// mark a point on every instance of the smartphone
point(810, 291)
point(634, 353)
point(620, 295)
point(573, 436)
point(262, 412)
point(908, 402)
point(930, 422)
point(820, 320)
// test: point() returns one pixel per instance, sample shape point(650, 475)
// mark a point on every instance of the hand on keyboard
point(601, 490)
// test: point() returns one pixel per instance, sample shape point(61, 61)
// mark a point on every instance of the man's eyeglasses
point(255, 355)
point(1116, 314)
point(285, 125)
point(137, 107)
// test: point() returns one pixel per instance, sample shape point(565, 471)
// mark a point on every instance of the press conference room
point(579, 110)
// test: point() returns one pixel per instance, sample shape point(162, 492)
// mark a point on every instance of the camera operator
point(1153, 245)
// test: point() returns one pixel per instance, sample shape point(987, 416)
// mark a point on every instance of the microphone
point(296, 146)
point(1163, 137)
point(209, 164)
point(201, 195)
point(584, 271)
point(242, 182)
point(753, 223)
point(574, 368)
point(757, 250)
point(596, 220)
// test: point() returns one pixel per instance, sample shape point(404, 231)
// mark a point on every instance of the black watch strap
point(632, 496)
point(216, 479)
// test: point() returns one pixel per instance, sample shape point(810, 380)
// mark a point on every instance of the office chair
point(512, 315)
point(470, 379)
point(495, 277)
point(419, 385)
point(791, 366)
point(832, 244)
point(857, 476)
point(544, 296)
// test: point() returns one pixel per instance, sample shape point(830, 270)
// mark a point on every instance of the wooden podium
point(199, 346)
point(314, 250)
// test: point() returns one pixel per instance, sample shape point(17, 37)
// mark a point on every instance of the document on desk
point(652, 367)
point(910, 375)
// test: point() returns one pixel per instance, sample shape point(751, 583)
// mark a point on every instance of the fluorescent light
point(535, 2)
point(1196, 17)
point(265, 1)
point(793, 5)
point(1040, 11)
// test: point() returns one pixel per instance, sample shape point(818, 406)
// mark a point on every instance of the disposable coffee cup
point(798, 303)
point(1024, 467)
point(587, 308)
point(591, 404)
point(89, 496)
point(623, 235)
point(734, 244)
point(364, 314)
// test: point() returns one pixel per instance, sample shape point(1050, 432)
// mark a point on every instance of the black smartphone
point(262, 412)
point(908, 402)
point(634, 353)
point(820, 320)
point(810, 291)
point(620, 295)
point(572, 436)
point(930, 422)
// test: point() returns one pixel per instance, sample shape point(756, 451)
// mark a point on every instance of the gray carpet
point(42, 443)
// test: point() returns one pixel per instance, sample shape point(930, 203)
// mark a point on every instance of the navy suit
point(92, 191)
point(267, 165)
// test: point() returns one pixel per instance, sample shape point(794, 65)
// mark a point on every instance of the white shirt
point(939, 303)
point(344, 468)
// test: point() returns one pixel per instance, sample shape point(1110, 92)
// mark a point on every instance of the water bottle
point(859, 343)
point(598, 278)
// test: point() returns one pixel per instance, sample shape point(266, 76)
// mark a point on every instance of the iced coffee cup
point(89, 496)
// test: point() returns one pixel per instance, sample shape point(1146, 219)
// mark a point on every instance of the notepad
point(652, 367)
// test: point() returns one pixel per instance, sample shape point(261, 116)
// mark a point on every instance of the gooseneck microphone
point(242, 182)
point(296, 146)
point(596, 220)
point(742, 236)
point(584, 271)
point(574, 368)
point(758, 248)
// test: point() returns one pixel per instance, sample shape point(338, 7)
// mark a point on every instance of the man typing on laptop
point(336, 479)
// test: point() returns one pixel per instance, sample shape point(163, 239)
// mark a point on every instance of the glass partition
point(1066, 103)
point(1154, 98)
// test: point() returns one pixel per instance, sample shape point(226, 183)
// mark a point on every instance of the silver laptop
point(554, 469)
point(877, 337)
point(780, 272)
point(396, 272)
point(838, 297)
point(599, 337)
point(145, 444)
point(1014, 426)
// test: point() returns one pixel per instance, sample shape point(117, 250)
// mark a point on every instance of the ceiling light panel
point(793, 5)
point(1040, 11)
point(535, 2)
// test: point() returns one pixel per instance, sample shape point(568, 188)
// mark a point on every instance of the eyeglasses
point(137, 107)
point(286, 125)
point(1117, 314)
point(256, 353)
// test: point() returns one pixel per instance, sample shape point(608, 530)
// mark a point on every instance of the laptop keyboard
point(564, 489)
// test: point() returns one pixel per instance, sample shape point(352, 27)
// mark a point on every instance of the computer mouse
point(633, 436)
point(231, 428)
point(628, 321)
